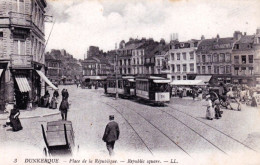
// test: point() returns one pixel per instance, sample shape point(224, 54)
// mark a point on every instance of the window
point(251, 59)
point(1, 34)
point(203, 70)
point(236, 59)
point(228, 57)
point(178, 77)
point(209, 69)
point(173, 68)
point(178, 56)
point(228, 69)
point(184, 67)
point(243, 59)
point(198, 58)
point(191, 55)
point(215, 58)
point(198, 69)
point(236, 46)
point(173, 77)
point(1, 44)
point(158, 62)
point(178, 68)
point(184, 77)
point(216, 69)
point(184, 56)
point(222, 70)
point(192, 67)
point(19, 47)
point(209, 58)
point(172, 56)
point(203, 58)
point(222, 57)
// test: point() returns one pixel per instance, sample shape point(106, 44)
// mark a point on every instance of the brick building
point(22, 59)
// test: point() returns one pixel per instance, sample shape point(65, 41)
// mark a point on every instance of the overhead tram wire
point(47, 39)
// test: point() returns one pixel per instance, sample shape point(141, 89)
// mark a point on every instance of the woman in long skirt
point(210, 110)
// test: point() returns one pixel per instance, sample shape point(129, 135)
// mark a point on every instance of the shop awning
point(161, 81)
point(204, 78)
point(1, 71)
point(46, 80)
point(186, 82)
point(22, 83)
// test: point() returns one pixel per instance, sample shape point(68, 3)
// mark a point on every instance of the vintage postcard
point(130, 82)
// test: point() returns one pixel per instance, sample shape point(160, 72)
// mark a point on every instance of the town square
point(138, 82)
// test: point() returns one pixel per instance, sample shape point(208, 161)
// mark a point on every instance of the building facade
point(53, 65)
point(213, 57)
point(182, 59)
point(245, 59)
point(22, 41)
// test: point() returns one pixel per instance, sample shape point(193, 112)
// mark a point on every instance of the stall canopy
point(205, 79)
point(1, 70)
point(22, 83)
point(161, 81)
point(46, 80)
point(186, 82)
point(95, 77)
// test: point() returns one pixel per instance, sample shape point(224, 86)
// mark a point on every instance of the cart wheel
point(45, 151)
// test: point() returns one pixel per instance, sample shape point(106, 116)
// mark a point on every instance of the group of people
point(213, 109)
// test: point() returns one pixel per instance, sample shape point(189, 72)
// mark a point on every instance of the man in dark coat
point(64, 106)
point(111, 134)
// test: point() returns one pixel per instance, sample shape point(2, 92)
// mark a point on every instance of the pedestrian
point(56, 94)
point(14, 120)
point(217, 109)
point(64, 106)
point(46, 99)
point(53, 104)
point(111, 134)
point(65, 94)
point(209, 111)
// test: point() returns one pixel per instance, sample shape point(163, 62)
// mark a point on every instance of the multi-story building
point(124, 57)
point(161, 60)
point(182, 59)
point(95, 66)
point(54, 68)
point(213, 57)
point(245, 55)
point(22, 59)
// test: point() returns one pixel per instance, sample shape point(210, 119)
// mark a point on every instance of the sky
point(78, 24)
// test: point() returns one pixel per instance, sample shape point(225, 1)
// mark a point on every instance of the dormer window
point(182, 45)
point(236, 46)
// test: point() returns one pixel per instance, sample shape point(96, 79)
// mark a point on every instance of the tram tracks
point(158, 129)
point(209, 126)
point(193, 130)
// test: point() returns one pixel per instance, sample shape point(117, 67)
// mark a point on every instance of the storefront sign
point(23, 61)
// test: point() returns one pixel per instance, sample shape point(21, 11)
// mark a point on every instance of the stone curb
point(36, 116)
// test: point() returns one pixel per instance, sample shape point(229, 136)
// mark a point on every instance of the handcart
point(59, 138)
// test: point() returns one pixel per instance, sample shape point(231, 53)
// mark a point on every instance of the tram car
point(110, 87)
point(129, 86)
point(154, 89)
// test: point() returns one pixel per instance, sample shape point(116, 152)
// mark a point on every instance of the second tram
point(154, 89)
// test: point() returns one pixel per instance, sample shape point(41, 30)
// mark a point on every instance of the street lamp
point(116, 73)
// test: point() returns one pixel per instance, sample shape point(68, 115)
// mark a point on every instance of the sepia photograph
point(130, 82)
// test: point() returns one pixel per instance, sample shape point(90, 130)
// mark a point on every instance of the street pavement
point(177, 130)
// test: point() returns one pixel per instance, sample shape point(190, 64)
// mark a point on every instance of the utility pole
point(116, 73)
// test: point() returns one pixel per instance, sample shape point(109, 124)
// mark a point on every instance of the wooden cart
point(59, 138)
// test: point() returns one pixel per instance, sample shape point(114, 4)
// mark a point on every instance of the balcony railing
point(21, 61)
point(20, 19)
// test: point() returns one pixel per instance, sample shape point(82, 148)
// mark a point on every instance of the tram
point(110, 87)
point(129, 86)
point(154, 89)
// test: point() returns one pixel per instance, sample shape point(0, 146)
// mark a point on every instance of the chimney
point(237, 35)
point(202, 37)
point(244, 33)
point(177, 37)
